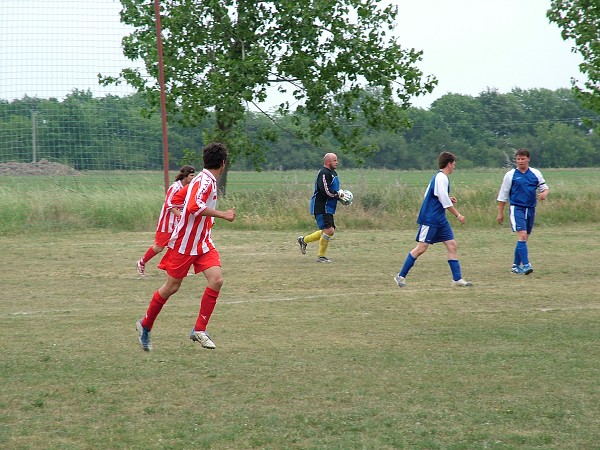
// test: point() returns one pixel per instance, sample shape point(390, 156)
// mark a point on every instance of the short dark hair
point(214, 154)
point(445, 158)
point(184, 172)
point(522, 152)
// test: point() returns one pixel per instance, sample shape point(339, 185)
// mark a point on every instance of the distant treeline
point(112, 132)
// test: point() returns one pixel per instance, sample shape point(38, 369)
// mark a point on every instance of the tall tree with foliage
point(337, 59)
point(580, 21)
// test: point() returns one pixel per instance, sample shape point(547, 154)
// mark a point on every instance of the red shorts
point(178, 265)
point(162, 238)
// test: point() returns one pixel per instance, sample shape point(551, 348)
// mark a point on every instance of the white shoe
point(144, 336)
point(400, 281)
point(461, 283)
point(203, 338)
point(141, 268)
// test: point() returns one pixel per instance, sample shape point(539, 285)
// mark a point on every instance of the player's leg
point(327, 225)
point(522, 221)
point(313, 236)
point(453, 262)
point(210, 265)
point(516, 267)
point(303, 241)
point(523, 237)
point(159, 298)
point(176, 266)
point(446, 235)
point(421, 247)
point(324, 242)
point(214, 277)
point(160, 242)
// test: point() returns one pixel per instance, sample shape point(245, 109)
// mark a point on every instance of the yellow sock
point(323, 244)
point(313, 236)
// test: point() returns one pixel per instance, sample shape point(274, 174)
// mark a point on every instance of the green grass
point(308, 356)
point(384, 200)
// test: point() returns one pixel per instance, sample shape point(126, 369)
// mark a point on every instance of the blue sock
point(408, 263)
point(523, 252)
point(517, 260)
point(455, 268)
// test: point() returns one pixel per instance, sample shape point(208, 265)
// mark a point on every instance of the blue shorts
point(324, 221)
point(521, 218)
point(431, 234)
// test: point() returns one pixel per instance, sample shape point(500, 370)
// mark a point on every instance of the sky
point(472, 45)
point(51, 46)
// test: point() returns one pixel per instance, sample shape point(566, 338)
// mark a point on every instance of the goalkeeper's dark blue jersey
point(325, 198)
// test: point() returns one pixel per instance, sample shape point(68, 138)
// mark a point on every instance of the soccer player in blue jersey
point(519, 187)
point(323, 205)
point(433, 224)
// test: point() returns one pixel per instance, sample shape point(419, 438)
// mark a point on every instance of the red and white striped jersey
point(167, 219)
point(178, 198)
point(191, 235)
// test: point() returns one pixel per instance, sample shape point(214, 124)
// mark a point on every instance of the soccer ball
point(347, 198)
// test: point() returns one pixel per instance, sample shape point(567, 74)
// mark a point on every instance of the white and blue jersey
point(434, 226)
point(520, 188)
point(435, 202)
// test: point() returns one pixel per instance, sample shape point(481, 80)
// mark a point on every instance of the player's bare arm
point(455, 213)
point(228, 215)
point(500, 218)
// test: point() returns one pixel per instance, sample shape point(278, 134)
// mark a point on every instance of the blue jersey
point(521, 188)
point(435, 202)
point(325, 197)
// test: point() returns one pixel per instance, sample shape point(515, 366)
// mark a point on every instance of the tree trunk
point(222, 181)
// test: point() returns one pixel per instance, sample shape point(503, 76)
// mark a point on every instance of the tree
point(560, 145)
point(462, 114)
point(503, 115)
point(580, 21)
point(328, 55)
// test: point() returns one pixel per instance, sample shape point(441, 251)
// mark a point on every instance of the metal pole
point(34, 135)
point(163, 100)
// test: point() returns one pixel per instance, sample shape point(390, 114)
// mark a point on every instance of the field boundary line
point(17, 314)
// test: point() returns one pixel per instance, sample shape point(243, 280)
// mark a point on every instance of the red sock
point(207, 305)
point(154, 308)
point(148, 255)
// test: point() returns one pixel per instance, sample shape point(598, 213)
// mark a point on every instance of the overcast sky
point(469, 45)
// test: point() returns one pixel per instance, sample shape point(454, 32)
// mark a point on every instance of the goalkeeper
point(323, 204)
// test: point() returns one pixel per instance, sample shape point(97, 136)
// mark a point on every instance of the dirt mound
point(43, 167)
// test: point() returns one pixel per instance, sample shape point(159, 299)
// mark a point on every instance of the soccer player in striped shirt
point(519, 187)
point(169, 214)
point(433, 224)
point(190, 246)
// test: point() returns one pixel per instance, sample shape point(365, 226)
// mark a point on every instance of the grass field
point(308, 356)
point(383, 200)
